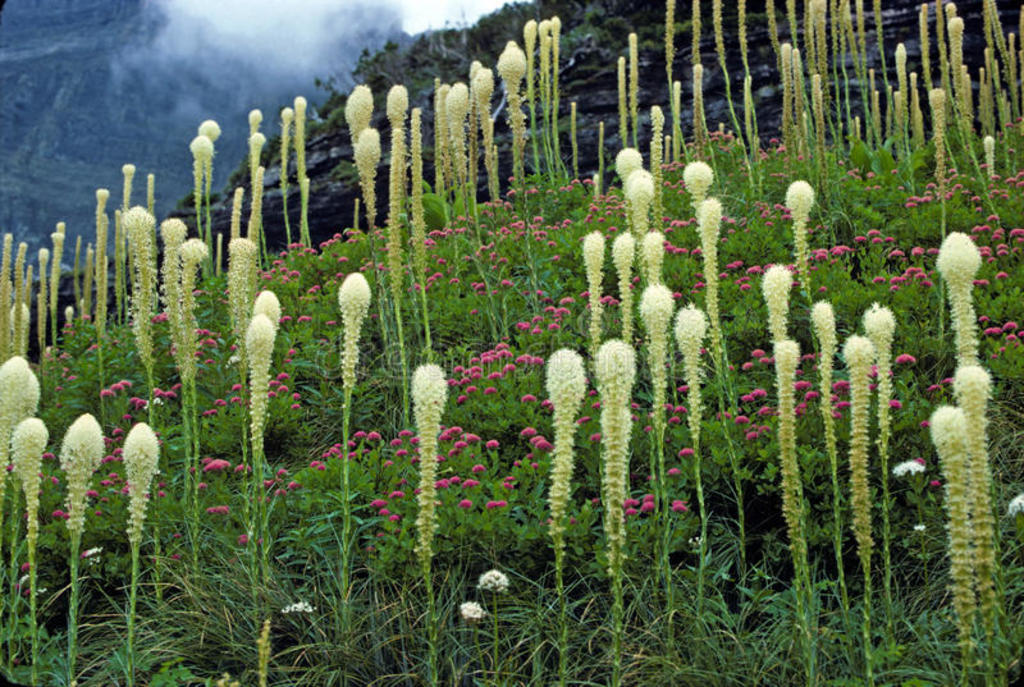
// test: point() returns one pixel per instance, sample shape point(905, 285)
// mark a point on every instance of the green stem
point(34, 627)
point(346, 532)
point(494, 643)
point(12, 573)
point(131, 613)
point(618, 614)
point(563, 626)
point(76, 543)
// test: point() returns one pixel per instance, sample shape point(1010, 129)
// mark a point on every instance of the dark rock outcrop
point(588, 76)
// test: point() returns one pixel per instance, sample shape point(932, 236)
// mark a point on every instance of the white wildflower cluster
point(472, 612)
point(494, 581)
point(1016, 506)
point(907, 467)
point(298, 607)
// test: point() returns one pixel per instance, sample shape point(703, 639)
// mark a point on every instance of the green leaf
point(434, 212)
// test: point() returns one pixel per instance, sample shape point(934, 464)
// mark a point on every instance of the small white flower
point(494, 581)
point(1016, 506)
point(298, 607)
point(158, 401)
point(907, 467)
point(89, 553)
point(234, 360)
point(472, 612)
point(919, 527)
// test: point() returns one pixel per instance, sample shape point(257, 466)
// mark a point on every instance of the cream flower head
point(267, 304)
point(698, 177)
point(628, 161)
point(397, 103)
point(512, 64)
point(959, 259)
point(800, 200)
point(494, 581)
point(210, 129)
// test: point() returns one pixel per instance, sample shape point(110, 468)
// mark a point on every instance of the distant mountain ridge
point(77, 105)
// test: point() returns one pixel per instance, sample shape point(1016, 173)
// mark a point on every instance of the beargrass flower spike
point(367, 154)
point(19, 399)
point(566, 385)
point(593, 260)
point(656, 307)
point(652, 248)
point(775, 287)
point(958, 263)
point(640, 193)
point(354, 302)
point(28, 442)
point(627, 161)
point(512, 68)
point(787, 357)
point(709, 220)
point(972, 386)
point(358, 110)
point(259, 346)
point(800, 200)
point(615, 367)
point(80, 455)
point(141, 461)
point(880, 326)
point(140, 227)
point(950, 435)
point(429, 393)
point(623, 249)
point(859, 354)
point(823, 319)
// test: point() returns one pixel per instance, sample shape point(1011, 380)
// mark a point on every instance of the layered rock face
point(588, 76)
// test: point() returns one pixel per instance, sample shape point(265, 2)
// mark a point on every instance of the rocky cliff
point(594, 35)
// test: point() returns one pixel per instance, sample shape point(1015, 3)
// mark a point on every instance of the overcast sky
point(418, 15)
point(296, 38)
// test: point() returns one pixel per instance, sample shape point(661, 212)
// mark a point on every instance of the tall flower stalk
point(616, 369)
point(656, 306)
point(141, 464)
point(593, 260)
point(259, 346)
point(429, 393)
point(140, 226)
point(354, 302)
point(566, 385)
point(192, 252)
point(19, 399)
point(419, 223)
point(949, 432)
point(623, 250)
point(972, 385)
point(880, 326)
point(80, 456)
point(787, 357)
point(859, 353)
point(27, 444)
point(398, 105)
point(823, 318)
point(690, 329)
